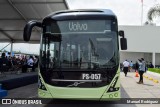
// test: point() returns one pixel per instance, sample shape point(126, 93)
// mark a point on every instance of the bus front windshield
point(76, 45)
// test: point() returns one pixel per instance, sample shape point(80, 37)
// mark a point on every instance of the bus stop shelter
point(14, 14)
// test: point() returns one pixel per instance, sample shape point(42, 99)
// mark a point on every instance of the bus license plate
point(91, 76)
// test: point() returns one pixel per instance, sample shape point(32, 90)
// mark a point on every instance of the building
point(143, 42)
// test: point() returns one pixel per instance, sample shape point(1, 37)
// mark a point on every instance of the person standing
point(3, 63)
point(125, 67)
point(151, 65)
point(30, 63)
point(142, 69)
point(36, 61)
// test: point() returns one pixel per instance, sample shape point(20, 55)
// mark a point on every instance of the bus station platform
point(11, 81)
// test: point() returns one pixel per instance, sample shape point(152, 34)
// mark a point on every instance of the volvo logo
point(75, 84)
point(76, 26)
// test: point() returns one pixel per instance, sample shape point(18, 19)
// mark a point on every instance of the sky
point(24, 48)
point(128, 13)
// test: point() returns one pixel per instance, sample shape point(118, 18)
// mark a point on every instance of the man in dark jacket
point(151, 65)
point(3, 63)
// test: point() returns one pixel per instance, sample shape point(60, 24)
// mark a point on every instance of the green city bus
point(79, 54)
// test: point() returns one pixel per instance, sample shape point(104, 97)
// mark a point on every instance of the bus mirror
point(123, 42)
point(28, 29)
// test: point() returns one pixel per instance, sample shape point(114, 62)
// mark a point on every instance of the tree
point(153, 12)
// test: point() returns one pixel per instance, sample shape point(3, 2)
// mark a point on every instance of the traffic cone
point(137, 75)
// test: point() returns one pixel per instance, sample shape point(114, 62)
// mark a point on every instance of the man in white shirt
point(125, 67)
point(30, 63)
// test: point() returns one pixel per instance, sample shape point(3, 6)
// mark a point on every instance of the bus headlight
point(41, 85)
point(112, 88)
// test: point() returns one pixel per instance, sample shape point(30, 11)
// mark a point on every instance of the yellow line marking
point(156, 81)
point(150, 78)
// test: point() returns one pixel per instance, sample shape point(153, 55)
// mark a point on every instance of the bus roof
point(80, 13)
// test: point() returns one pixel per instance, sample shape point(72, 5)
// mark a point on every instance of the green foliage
point(153, 12)
point(156, 70)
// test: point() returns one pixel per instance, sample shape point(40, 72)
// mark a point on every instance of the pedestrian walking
point(125, 67)
point(142, 69)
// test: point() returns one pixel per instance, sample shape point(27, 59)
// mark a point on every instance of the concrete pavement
point(149, 89)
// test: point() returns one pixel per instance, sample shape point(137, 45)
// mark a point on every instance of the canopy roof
point(14, 14)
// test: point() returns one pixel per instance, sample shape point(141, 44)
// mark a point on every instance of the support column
point(11, 48)
point(153, 58)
